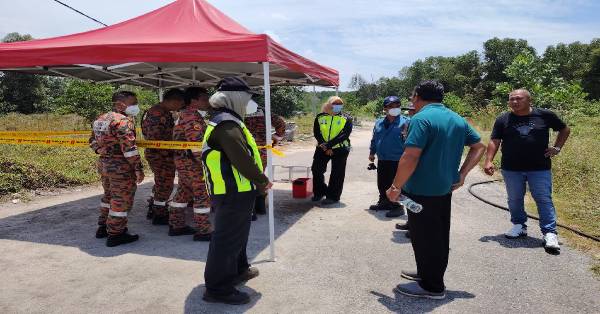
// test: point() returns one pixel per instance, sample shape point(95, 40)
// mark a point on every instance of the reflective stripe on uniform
point(104, 205)
point(157, 203)
point(131, 153)
point(178, 205)
point(205, 210)
point(117, 214)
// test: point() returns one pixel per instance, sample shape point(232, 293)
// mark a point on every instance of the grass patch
point(576, 180)
point(30, 167)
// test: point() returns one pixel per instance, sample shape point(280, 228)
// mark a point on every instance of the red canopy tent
point(187, 42)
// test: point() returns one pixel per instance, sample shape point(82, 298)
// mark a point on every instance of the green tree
point(86, 99)
point(498, 55)
point(285, 100)
point(547, 88)
point(21, 92)
point(591, 81)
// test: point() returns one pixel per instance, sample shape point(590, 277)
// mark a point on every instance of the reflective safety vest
point(220, 175)
point(331, 126)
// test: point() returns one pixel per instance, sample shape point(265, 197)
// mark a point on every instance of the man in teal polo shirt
point(427, 173)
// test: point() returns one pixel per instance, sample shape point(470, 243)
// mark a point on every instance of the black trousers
point(227, 251)
point(333, 190)
point(430, 238)
point(386, 171)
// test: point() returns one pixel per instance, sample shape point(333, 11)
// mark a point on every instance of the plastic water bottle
point(410, 204)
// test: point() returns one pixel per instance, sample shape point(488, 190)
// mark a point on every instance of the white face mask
point(203, 113)
point(394, 112)
point(132, 110)
point(251, 107)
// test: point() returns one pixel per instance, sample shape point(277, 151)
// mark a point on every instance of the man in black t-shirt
point(524, 135)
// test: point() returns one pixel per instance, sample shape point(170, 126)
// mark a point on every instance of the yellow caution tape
point(27, 138)
point(21, 134)
point(274, 150)
point(69, 142)
point(168, 144)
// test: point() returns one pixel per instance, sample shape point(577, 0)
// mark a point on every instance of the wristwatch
point(556, 148)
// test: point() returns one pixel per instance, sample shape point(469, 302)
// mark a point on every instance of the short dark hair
point(122, 95)
point(173, 94)
point(194, 93)
point(430, 90)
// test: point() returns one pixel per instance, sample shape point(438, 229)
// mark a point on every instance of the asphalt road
point(329, 260)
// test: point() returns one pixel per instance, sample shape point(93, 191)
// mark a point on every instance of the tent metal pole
point(314, 101)
point(336, 91)
point(267, 87)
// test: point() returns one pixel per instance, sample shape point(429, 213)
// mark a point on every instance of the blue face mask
point(337, 108)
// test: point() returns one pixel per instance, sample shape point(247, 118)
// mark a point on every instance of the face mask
point(251, 107)
point(203, 113)
point(337, 108)
point(394, 112)
point(132, 110)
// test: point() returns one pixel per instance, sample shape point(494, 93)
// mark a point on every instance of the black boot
point(187, 230)
point(123, 238)
point(235, 298)
point(101, 232)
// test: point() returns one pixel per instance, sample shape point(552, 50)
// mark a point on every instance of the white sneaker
point(551, 241)
point(516, 231)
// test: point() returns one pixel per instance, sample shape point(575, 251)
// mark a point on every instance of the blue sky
point(373, 38)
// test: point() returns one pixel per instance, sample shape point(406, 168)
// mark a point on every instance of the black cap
point(234, 84)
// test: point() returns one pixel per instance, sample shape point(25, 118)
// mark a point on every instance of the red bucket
point(302, 188)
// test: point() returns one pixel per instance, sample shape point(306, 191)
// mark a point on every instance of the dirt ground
point(344, 259)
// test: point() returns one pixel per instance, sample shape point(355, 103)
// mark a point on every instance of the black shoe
point(236, 298)
point(122, 238)
point(401, 226)
point(202, 237)
point(316, 198)
point(396, 211)
point(187, 230)
point(329, 201)
point(379, 206)
point(251, 272)
point(101, 232)
point(160, 220)
point(254, 217)
point(410, 275)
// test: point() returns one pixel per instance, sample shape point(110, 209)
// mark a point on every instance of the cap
point(234, 84)
point(391, 100)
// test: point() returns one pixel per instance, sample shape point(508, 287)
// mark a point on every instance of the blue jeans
point(540, 186)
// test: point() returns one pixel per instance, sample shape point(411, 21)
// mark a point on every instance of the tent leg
point(269, 168)
point(161, 91)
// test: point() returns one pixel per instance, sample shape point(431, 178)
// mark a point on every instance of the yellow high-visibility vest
point(331, 126)
point(219, 174)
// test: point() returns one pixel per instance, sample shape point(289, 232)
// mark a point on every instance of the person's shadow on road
point(399, 236)
point(404, 304)
point(525, 242)
point(195, 304)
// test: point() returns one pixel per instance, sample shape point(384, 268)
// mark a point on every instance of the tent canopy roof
point(187, 42)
